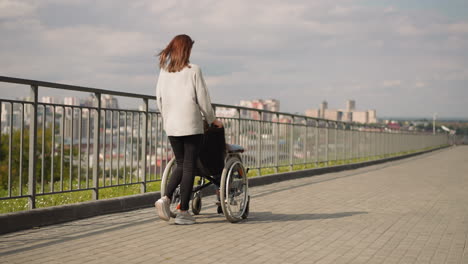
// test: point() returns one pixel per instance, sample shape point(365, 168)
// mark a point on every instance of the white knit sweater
point(182, 97)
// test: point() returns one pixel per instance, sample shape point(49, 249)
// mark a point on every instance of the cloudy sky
point(403, 58)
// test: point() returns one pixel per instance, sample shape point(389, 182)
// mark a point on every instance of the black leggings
point(186, 150)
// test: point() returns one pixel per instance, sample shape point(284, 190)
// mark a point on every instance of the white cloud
point(12, 9)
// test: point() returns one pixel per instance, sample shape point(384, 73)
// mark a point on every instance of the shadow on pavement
point(269, 217)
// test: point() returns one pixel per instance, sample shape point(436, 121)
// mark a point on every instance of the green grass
point(20, 204)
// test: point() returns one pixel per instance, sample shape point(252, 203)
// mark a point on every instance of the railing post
point(96, 143)
point(32, 148)
point(145, 139)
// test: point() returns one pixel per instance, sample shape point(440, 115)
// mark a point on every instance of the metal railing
point(69, 148)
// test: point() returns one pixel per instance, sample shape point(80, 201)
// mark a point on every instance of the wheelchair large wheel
point(167, 174)
point(234, 191)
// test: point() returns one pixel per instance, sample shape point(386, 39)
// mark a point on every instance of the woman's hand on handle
point(217, 123)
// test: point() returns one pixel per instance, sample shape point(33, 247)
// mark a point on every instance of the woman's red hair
point(177, 54)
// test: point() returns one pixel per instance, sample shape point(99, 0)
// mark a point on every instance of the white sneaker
point(163, 208)
point(184, 218)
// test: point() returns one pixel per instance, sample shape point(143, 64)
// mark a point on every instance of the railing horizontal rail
point(72, 87)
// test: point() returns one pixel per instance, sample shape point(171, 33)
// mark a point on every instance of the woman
point(182, 98)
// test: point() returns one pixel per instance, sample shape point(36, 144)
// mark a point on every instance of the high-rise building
point(350, 105)
point(323, 108)
point(350, 114)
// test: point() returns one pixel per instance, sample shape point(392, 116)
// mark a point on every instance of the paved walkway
point(408, 211)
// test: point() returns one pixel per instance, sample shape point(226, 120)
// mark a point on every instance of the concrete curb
point(12, 222)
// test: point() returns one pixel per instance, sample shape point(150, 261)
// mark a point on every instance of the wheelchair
point(233, 195)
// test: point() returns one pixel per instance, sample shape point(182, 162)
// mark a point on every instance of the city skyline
point(406, 57)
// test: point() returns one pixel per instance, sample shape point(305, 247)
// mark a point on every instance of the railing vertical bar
point(260, 136)
point(104, 146)
point(158, 142)
point(276, 124)
point(336, 142)
point(111, 149)
point(327, 140)
point(32, 149)
point(21, 151)
point(151, 153)
point(125, 148)
point(131, 148)
point(80, 137)
point(144, 139)
point(317, 143)
point(156, 125)
point(44, 113)
point(258, 154)
point(88, 139)
point(62, 143)
point(291, 146)
point(238, 126)
point(1, 131)
point(52, 150)
point(343, 129)
point(118, 147)
point(96, 139)
point(10, 148)
point(138, 147)
point(305, 152)
point(72, 112)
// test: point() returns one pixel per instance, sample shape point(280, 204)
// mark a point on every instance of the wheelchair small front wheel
point(234, 191)
point(196, 203)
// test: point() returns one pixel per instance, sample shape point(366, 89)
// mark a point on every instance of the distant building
point(332, 114)
point(226, 112)
point(360, 117)
point(48, 99)
point(350, 114)
point(71, 101)
point(269, 104)
point(109, 101)
point(313, 112)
